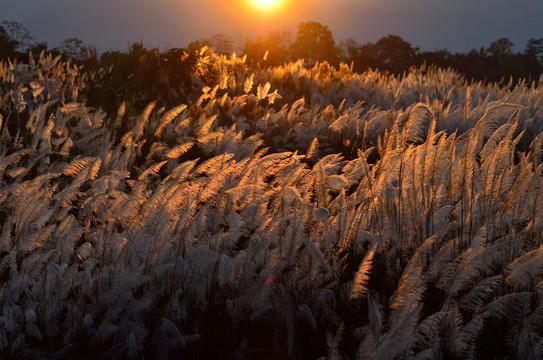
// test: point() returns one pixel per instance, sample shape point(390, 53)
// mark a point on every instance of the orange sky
point(458, 25)
point(244, 16)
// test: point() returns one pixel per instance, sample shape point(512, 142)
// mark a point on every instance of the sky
point(457, 25)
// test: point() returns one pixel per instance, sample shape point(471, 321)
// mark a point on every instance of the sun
point(266, 4)
point(266, 12)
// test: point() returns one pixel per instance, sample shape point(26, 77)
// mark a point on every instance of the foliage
point(390, 52)
point(271, 50)
point(75, 49)
point(8, 45)
point(501, 49)
point(18, 32)
point(314, 42)
point(139, 75)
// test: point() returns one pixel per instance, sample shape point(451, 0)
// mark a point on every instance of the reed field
point(297, 211)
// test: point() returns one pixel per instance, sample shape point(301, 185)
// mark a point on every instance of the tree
point(349, 49)
point(389, 53)
point(269, 50)
point(501, 50)
point(19, 33)
point(441, 58)
point(534, 50)
point(222, 43)
point(314, 42)
point(76, 49)
point(8, 45)
point(394, 53)
point(197, 45)
point(37, 48)
point(532, 57)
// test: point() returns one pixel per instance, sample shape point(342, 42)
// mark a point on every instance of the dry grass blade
point(179, 150)
point(167, 118)
point(362, 276)
point(76, 166)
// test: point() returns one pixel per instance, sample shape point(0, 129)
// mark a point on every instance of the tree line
point(313, 42)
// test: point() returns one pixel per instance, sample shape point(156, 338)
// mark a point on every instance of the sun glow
point(266, 4)
point(258, 17)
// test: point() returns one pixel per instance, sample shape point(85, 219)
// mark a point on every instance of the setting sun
point(266, 4)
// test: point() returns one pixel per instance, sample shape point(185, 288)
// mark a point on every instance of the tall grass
point(283, 212)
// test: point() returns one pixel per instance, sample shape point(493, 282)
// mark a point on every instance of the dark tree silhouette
point(501, 50)
point(441, 58)
point(8, 45)
point(314, 42)
point(37, 48)
point(395, 53)
point(197, 45)
point(222, 43)
point(269, 50)
point(390, 53)
point(349, 49)
point(76, 49)
point(535, 48)
point(18, 32)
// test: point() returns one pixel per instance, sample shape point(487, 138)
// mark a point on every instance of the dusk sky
point(458, 25)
